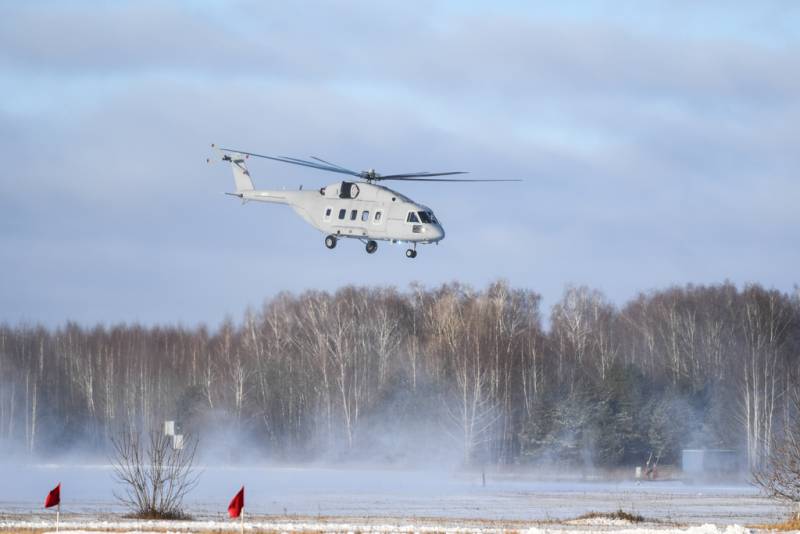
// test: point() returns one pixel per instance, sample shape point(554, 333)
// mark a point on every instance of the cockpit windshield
point(427, 217)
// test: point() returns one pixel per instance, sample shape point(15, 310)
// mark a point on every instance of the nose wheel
point(372, 246)
point(330, 242)
point(411, 253)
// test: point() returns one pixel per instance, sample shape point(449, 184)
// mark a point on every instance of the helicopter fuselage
point(359, 210)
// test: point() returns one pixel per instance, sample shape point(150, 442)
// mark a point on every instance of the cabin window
point(342, 213)
point(412, 217)
point(427, 217)
point(378, 215)
point(328, 213)
point(353, 215)
point(364, 216)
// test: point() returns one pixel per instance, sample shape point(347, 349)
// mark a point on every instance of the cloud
point(651, 156)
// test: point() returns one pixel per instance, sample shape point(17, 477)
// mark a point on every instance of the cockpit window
point(412, 217)
point(427, 217)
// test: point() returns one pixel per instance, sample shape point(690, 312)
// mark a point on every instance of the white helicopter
point(359, 210)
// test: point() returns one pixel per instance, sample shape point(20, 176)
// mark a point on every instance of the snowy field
point(316, 526)
point(384, 500)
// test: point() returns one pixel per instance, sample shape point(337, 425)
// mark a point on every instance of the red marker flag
point(236, 505)
point(54, 497)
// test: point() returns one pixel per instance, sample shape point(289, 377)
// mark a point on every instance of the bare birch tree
point(779, 475)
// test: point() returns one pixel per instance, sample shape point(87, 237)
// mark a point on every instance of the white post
point(241, 516)
point(58, 515)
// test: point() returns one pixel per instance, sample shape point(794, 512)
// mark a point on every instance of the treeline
point(409, 373)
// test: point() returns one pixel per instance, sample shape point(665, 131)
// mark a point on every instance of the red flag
point(54, 497)
point(236, 505)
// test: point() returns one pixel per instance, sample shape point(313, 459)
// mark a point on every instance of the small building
point(710, 463)
point(171, 430)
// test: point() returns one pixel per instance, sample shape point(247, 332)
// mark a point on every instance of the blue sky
point(659, 143)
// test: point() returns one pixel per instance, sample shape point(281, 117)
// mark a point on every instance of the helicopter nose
point(438, 232)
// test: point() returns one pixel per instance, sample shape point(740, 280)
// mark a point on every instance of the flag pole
point(58, 515)
point(241, 523)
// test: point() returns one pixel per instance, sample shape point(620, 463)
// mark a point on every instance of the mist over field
point(314, 491)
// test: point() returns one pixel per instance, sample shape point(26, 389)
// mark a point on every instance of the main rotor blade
point(306, 163)
point(333, 167)
point(331, 164)
point(295, 161)
point(418, 174)
point(402, 179)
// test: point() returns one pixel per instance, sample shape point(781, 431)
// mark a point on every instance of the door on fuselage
point(396, 226)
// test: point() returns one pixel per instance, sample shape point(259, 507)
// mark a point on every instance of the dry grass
point(159, 516)
point(619, 514)
point(789, 524)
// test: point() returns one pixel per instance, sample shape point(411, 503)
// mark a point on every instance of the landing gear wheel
point(372, 246)
point(411, 253)
point(330, 241)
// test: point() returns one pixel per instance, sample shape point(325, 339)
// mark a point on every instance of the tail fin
point(241, 176)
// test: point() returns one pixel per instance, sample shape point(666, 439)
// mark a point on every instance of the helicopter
point(357, 208)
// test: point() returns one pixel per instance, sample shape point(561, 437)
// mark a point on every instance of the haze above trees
point(381, 374)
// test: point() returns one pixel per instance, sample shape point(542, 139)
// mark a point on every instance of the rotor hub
point(370, 175)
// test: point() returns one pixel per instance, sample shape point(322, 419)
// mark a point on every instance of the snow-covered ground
point(383, 500)
point(429, 526)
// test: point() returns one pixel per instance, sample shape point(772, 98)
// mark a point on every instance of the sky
point(658, 144)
